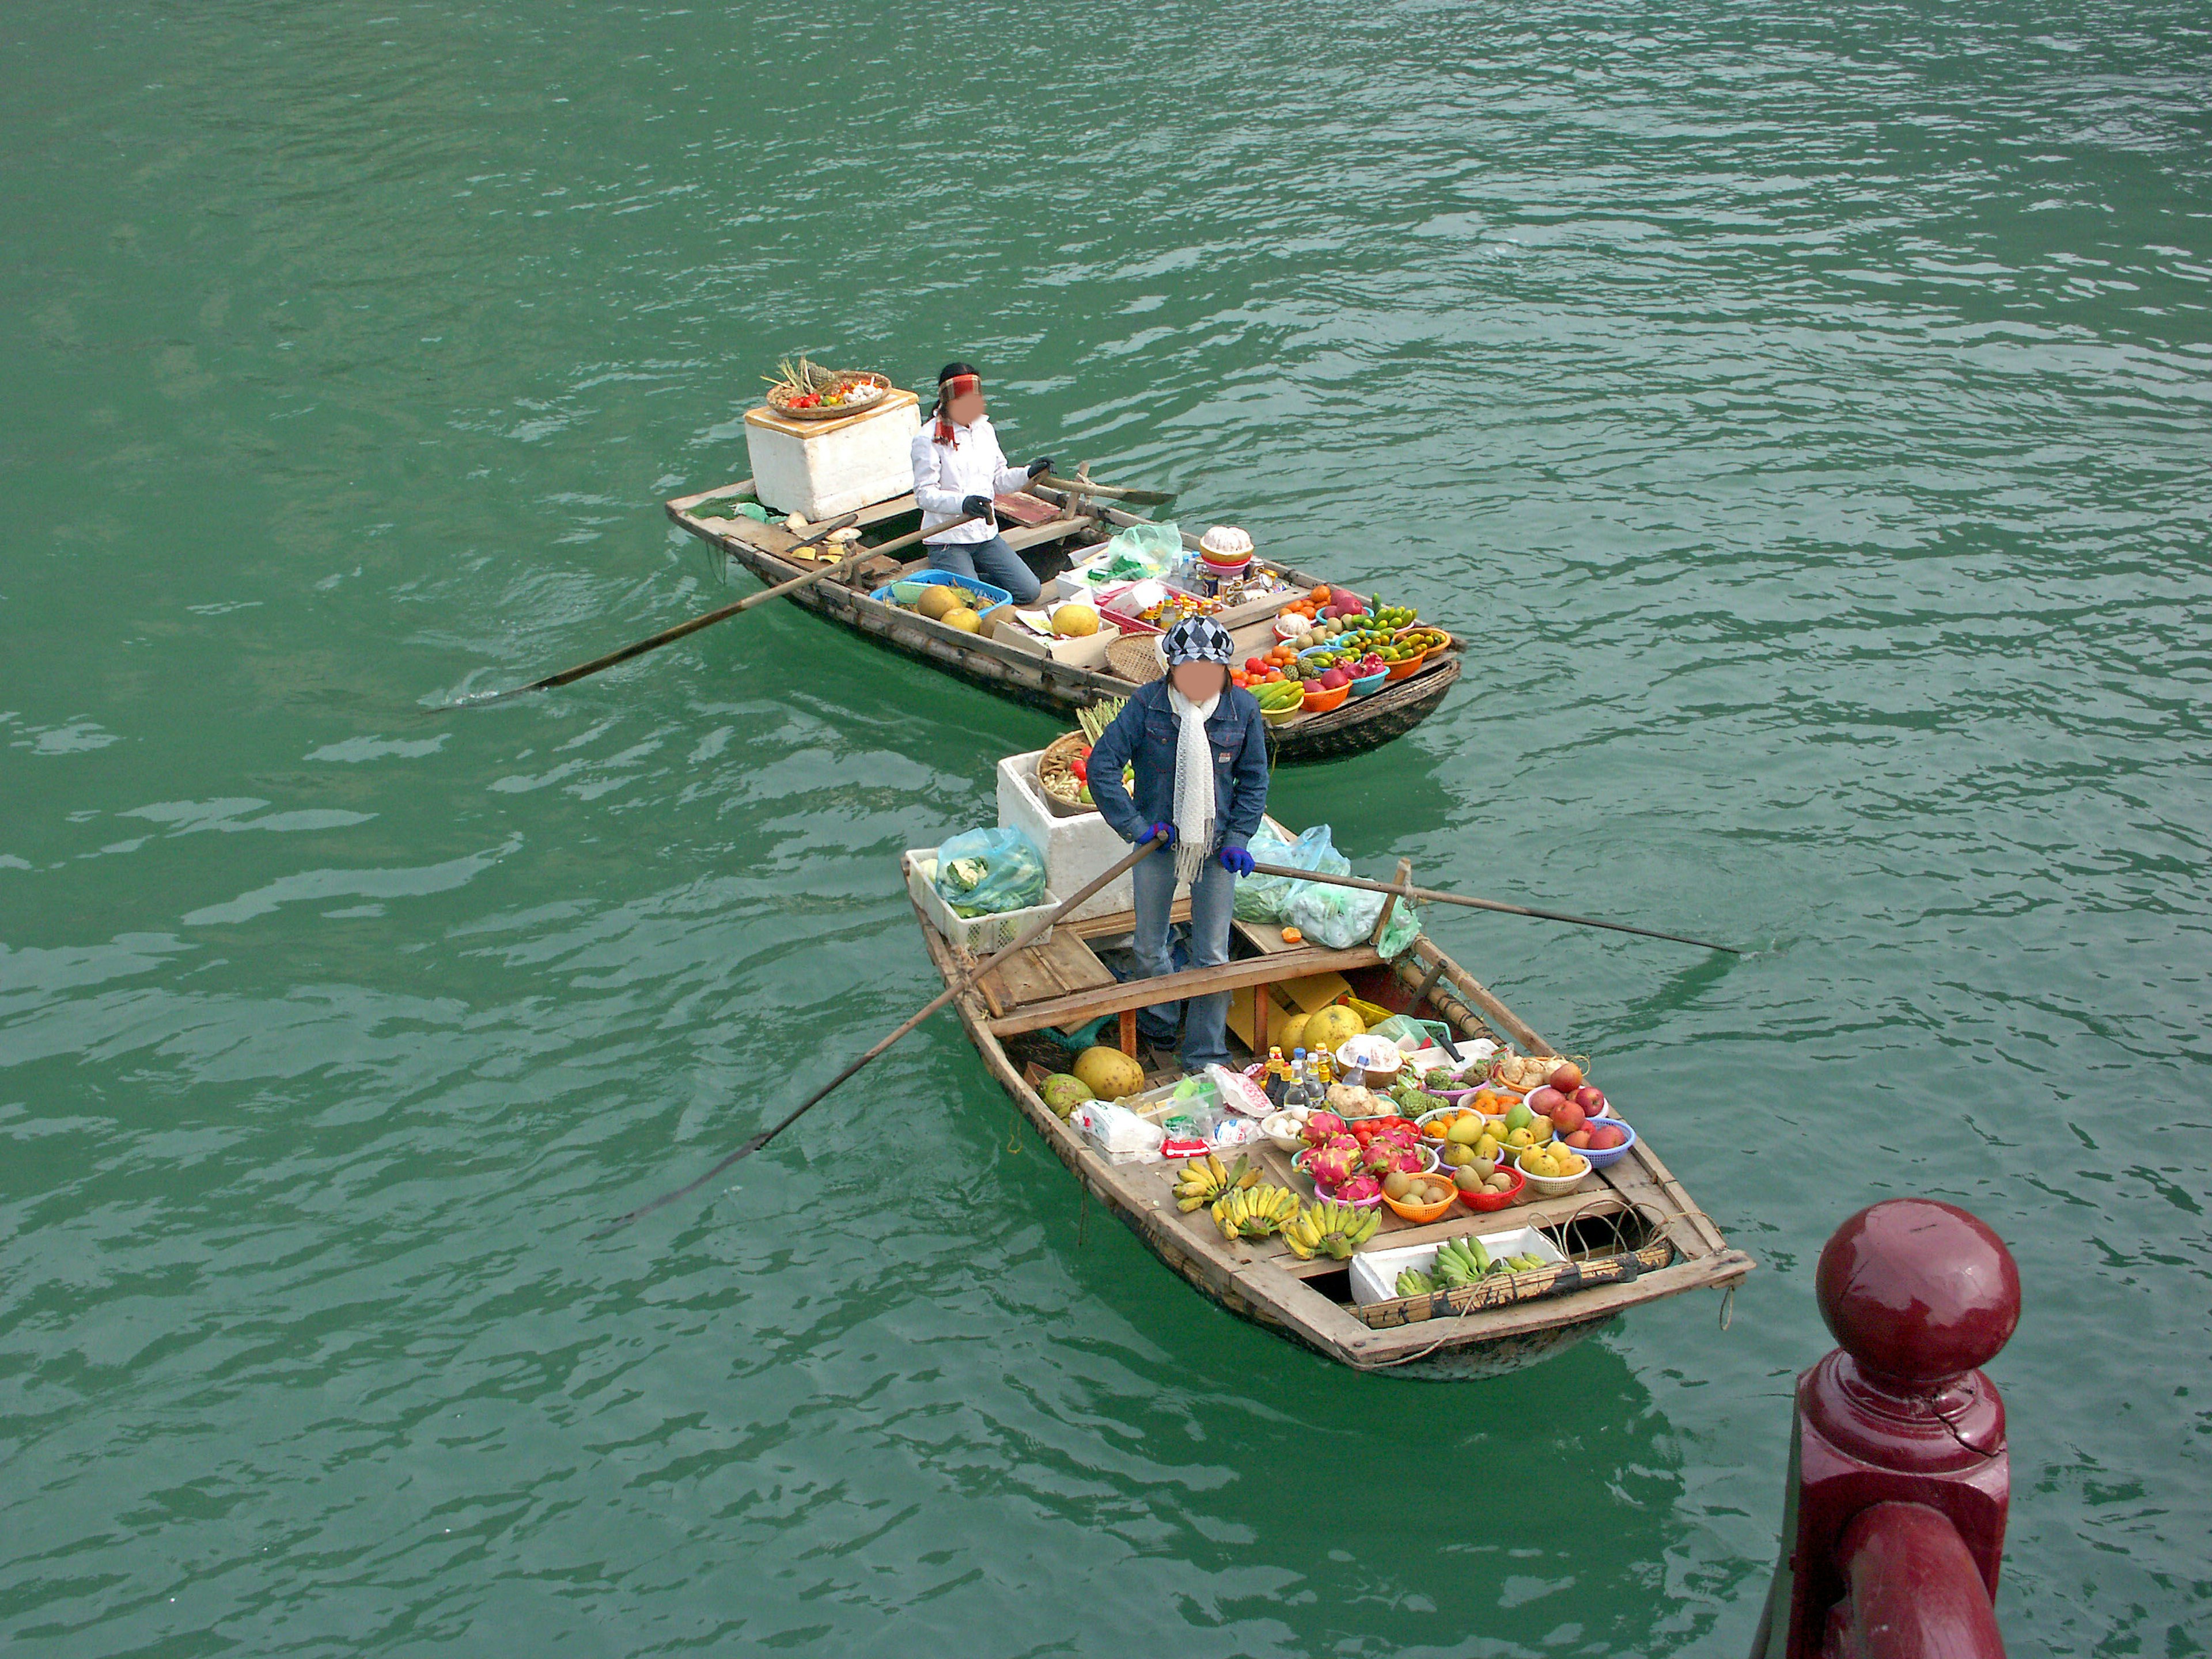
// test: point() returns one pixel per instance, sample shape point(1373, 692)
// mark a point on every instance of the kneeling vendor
point(958, 467)
point(1200, 751)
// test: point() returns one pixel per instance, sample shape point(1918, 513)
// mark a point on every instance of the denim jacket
point(1146, 732)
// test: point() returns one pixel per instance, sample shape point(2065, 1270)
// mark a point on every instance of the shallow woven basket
point(823, 412)
point(1061, 789)
point(1136, 658)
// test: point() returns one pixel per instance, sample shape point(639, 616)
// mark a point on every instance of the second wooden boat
point(1060, 688)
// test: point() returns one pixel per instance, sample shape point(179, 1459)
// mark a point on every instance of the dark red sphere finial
point(1918, 1291)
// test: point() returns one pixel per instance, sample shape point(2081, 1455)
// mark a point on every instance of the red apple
point(1605, 1138)
point(1545, 1101)
point(1567, 1079)
point(1567, 1118)
point(1592, 1100)
point(1580, 1141)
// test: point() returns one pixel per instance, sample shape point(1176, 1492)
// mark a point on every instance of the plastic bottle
point(1297, 1097)
point(1278, 1077)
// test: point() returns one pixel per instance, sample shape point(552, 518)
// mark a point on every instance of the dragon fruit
point(1402, 1135)
point(1360, 1190)
point(1321, 1126)
point(1332, 1166)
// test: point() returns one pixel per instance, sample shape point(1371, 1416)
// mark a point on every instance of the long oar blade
point(1126, 497)
point(1430, 894)
point(962, 982)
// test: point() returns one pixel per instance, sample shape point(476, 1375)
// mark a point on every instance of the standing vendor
point(958, 467)
point(1199, 751)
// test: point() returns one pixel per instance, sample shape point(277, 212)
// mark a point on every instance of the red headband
point(956, 386)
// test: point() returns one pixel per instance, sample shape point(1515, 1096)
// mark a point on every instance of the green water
point(1804, 412)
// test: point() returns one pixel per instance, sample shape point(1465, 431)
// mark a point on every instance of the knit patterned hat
point(1198, 639)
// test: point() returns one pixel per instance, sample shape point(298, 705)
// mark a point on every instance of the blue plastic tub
point(998, 596)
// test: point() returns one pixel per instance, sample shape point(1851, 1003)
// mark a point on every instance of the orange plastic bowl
point(1320, 702)
point(1487, 1201)
point(1424, 1213)
point(1407, 669)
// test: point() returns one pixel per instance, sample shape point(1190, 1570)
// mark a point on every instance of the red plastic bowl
point(1488, 1202)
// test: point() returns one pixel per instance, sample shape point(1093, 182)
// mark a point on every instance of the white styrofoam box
point(853, 465)
point(1075, 849)
point(980, 936)
point(1375, 1272)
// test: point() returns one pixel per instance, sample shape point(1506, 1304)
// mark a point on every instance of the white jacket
point(944, 475)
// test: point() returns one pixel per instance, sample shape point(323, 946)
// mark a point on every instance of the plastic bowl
point(1486, 1202)
point(1423, 1213)
point(1369, 682)
point(1282, 716)
point(1291, 627)
point(1610, 1156)
point(1552, 1186)
point(1320, 702)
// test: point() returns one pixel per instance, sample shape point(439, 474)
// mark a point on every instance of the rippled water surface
point(1805, 410)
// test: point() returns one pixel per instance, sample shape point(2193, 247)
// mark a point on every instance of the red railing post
point(1920, 1295)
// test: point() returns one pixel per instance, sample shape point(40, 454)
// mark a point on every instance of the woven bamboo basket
point(1061, 789)
point(777, 398)
point(1136, 658)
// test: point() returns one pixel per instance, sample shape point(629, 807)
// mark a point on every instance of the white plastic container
point(821, 470)
point(1075, 849)
point(1375, 1272)
point(977, 935)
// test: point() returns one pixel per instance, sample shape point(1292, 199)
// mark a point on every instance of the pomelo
point(1108, 1073)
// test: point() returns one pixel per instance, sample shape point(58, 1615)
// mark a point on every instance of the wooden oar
point(670, 636)
point(960, 984)
point(1084, 487)
point(1430, 894)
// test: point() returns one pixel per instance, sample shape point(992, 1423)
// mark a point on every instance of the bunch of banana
point(1412, 1281)
point(1463, 1260)
point(1255, 1212)
point(1336, 1229)
point(1205, 1179)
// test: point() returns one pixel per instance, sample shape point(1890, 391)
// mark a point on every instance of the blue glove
point(1161, 831)
point(1237, 861)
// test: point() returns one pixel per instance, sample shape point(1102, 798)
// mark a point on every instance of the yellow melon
point(962, 617)
point(1075, 621)
point(936, 600)
point(1329, 1028)
point(1108, 1073)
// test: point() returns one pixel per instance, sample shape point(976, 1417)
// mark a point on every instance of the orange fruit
point(1292, 936)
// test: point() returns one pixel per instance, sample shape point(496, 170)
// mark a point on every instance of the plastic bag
point(1142, 549)
point(984, 872)
point(1408, 1033)
point(1342, 917)
point(1117, 1131)
point(1267, 898)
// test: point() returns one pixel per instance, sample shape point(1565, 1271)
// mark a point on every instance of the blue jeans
point(992, 561)
point(1204, 1019)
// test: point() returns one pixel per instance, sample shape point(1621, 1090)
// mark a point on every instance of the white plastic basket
point(1375, 1274)
point(977, 935)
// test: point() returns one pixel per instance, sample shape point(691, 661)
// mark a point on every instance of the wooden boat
point(1061, 527)
point(1633, 1212)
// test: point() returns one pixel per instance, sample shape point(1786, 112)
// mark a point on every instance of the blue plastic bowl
point(1368, 682)
point(1600, 1160)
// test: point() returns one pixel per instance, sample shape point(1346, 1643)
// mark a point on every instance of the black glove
point(1043, 463)
point(977, 506)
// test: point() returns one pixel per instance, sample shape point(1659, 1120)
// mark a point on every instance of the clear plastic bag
point(984, 872)
point(1342, 917)
point(1142, 549)
point(1267, 898)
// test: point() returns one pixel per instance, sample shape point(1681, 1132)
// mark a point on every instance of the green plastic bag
point(1267, 898)
point(1140, 551)
point(1342, 917)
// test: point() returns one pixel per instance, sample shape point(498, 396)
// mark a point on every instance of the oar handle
point(1430, 894)
point(961, 983)
point(685, 630)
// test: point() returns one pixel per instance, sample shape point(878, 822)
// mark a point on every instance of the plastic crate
point(977, 935)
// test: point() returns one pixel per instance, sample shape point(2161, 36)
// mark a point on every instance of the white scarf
point(1194, 784)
